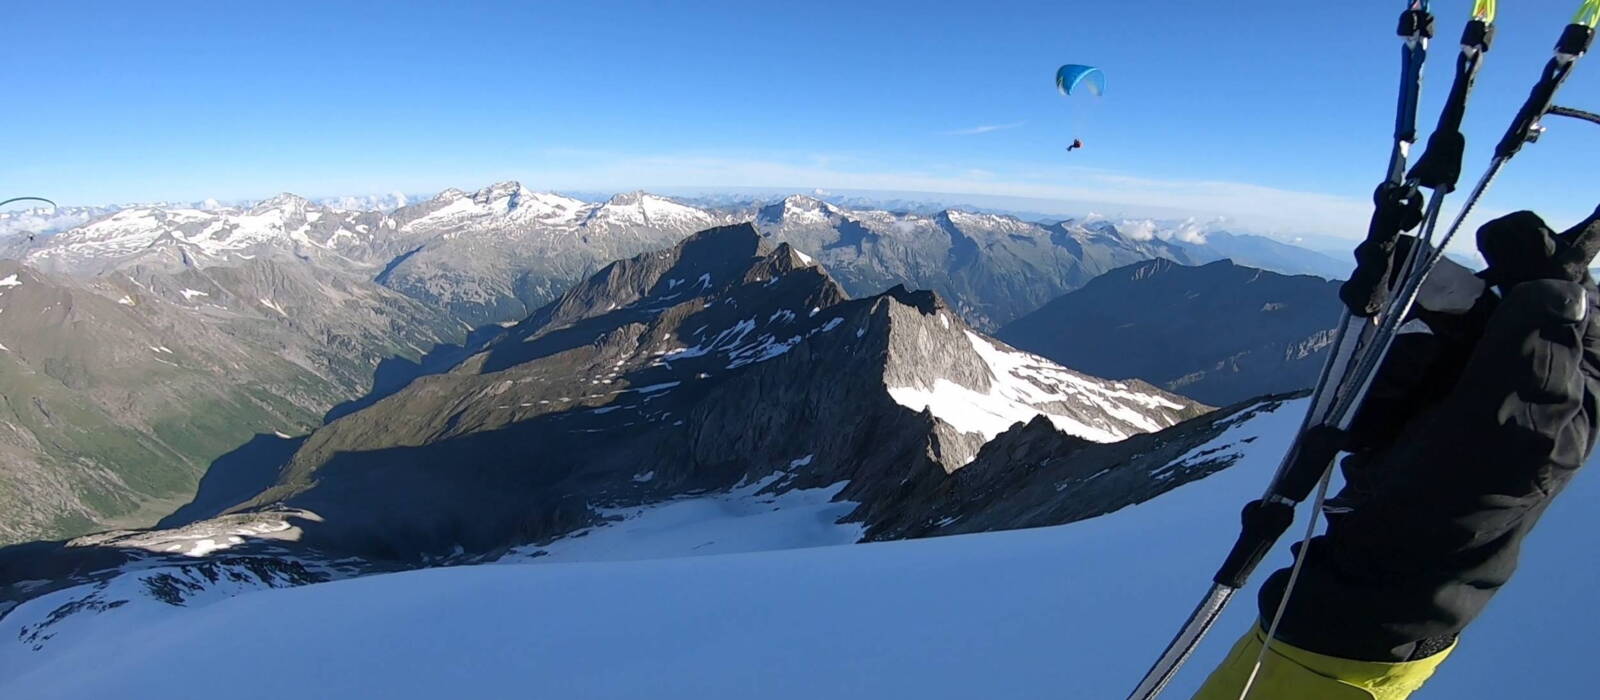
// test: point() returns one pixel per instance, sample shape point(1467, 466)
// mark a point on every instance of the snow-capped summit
point(797, 210)
point(169, 237)
point(633, 209)
point(512, 200)
point(494, 254)
point(285, 202)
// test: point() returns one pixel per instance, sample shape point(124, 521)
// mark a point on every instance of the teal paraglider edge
point(1069, 76)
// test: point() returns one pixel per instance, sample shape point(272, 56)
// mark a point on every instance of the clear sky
point(1274, 113)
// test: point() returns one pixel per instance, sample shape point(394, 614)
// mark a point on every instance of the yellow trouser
point(1291, 673)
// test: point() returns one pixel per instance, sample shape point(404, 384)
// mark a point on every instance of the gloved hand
point(1397, 208)
point(1520, 247)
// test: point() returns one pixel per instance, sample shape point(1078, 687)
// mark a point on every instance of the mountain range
point(297, 310)
point(689, 370)
point(723, 390)
point(726, 366)
point(496, 254)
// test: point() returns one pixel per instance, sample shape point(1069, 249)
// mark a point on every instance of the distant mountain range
point(287, 311)
point(496, 254)
point(724, 365)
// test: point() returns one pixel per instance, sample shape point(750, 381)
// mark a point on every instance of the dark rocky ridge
point(722, 360)
point(1218, 333)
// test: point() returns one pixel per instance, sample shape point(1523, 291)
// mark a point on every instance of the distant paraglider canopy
point(1083, 85)
point(1072, 79)
point(29, 199)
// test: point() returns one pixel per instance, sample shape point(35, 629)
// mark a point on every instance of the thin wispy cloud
point(983, 129)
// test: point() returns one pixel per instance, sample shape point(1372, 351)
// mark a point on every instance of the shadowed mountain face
point(1219, 333)
point(117, 391)
point(722, 361)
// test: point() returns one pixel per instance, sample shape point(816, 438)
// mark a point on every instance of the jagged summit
point(798, 209)
point(498, 252)
point(628, 199)
point(718, 361)
point(283, 201)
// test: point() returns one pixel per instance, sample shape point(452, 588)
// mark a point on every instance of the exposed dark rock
point(1219, 333)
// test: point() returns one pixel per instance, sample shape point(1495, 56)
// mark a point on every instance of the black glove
point(1520, 247)
point(1397, 208)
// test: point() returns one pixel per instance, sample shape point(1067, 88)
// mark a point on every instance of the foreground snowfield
point(1067, 612)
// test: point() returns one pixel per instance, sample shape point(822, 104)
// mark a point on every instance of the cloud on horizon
point(1071, 191)
point(983, 129)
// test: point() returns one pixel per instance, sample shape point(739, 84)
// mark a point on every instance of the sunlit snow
point(1070, 611)
point(739, 520)
point(1075, 611)
point(1023, 386)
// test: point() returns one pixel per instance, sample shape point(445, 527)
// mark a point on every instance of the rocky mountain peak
point(1156, 268)
point(641, 209)
point(285, 202)
point(630, 199)
point(501, 191)
point(799, 211)
point(725, 359)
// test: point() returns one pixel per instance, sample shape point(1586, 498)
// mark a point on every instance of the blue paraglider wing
point(1073, 78)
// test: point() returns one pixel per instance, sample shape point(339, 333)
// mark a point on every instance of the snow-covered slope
point(1067, 612)
point(1022, 386)
point(1074, 611)
point(174, 238)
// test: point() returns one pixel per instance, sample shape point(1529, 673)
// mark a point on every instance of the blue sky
point(1275, 114)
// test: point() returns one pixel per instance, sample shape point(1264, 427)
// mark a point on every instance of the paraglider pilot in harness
point(1486, 406)
point(1080, 82)
point(1482, 410)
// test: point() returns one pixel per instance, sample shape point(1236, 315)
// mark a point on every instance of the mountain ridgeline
point(278, 315)
point(118, 391)
point(1220, 332)
point(497, 254)
point(724, 360)
point(726, 367)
